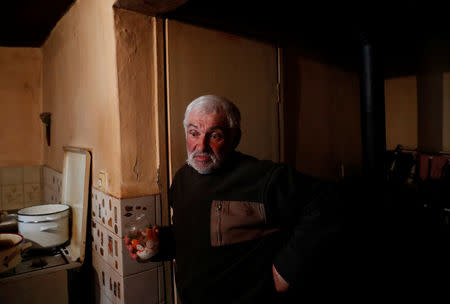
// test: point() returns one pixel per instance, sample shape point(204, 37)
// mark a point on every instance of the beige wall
point(80, 88)
point(446, 112)
point(99, 84)
point(136, 36)
point(322, 117)
point(203, 61)
point(401, 112)
point(430, 109)
point(20, 106)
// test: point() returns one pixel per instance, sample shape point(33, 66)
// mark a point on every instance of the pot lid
point(75, 193)
point(40, 210)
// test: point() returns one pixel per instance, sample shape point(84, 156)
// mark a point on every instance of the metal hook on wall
point(46, 119)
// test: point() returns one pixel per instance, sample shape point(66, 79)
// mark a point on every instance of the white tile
point(134, 289)
point(117, 214)
point(32, 175)
point(12, 176)
point(142, 286)
point(101, 297)
point(106, 277)
point(32, 194)
point(131, 209)
point(94, 202)
point(47, 194)
point(50, 195)
point(52, 178)
point(47, 177)
point(100, 208)
point(112, 249)
point(12, 197)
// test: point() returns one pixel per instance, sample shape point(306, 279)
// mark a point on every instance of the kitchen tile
point(131, 209)
point(12, 176)
point(137, 288)
point(30, 203)
point(56, 179)
point(103, 299)
point(46, 175)
point(32, 175)
point(59, 191)
point(32, 194)
point(112, 249)
point(100, 297)
point(135, 291)
point(12, 197)
point(52, 178)
point(110, 282)
point(118, 214)
point(47, 194)
point(50, 195)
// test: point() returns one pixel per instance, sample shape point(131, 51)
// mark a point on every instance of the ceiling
point(27, 23)
point(405, 34)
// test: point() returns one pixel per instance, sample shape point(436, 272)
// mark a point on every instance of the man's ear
point(236, 138)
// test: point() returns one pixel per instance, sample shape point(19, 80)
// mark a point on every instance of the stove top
point(34, 260)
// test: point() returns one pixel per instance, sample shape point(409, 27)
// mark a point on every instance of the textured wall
point(430, 108)
point(80, 88)
point(136, 72)
point(20, 105)
point(446, 113)
point(401, 112)
point(322, 117)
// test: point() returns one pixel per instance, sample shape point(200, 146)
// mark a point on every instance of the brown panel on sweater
point(236, 221)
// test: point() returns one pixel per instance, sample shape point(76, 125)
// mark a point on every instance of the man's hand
point(280, 284)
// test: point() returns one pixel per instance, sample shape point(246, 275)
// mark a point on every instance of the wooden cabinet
point(203, 61)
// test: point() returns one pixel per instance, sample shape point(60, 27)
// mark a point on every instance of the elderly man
point(244, 230)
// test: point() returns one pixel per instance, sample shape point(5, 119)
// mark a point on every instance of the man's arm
point(299, 204)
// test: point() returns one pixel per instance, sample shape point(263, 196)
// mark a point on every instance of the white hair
point(214, 103)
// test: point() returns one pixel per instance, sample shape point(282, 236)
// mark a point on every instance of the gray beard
point(215, 162)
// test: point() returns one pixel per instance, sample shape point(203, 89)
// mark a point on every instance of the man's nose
point(203, 143)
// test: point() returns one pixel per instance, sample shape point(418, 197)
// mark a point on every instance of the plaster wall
point(136, 70)
point(401, 112)
point(430, 109)
point(446, 112)
point(322, 117)
point(80, 89)
point(20, 105)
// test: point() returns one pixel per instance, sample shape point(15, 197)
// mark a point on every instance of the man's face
point(208, 140)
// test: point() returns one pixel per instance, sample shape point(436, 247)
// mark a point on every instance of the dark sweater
point(230, 226)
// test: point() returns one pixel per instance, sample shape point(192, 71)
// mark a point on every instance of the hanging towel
point(423, 166)
point(437, 164)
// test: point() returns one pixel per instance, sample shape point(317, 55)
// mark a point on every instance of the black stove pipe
point(373, 130)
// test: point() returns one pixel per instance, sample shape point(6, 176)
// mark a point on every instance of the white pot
point(45, 226)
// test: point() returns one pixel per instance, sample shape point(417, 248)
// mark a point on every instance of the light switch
point(101, 181)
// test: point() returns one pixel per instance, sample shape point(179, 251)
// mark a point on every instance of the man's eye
point(216, 136)
point(193, 133)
